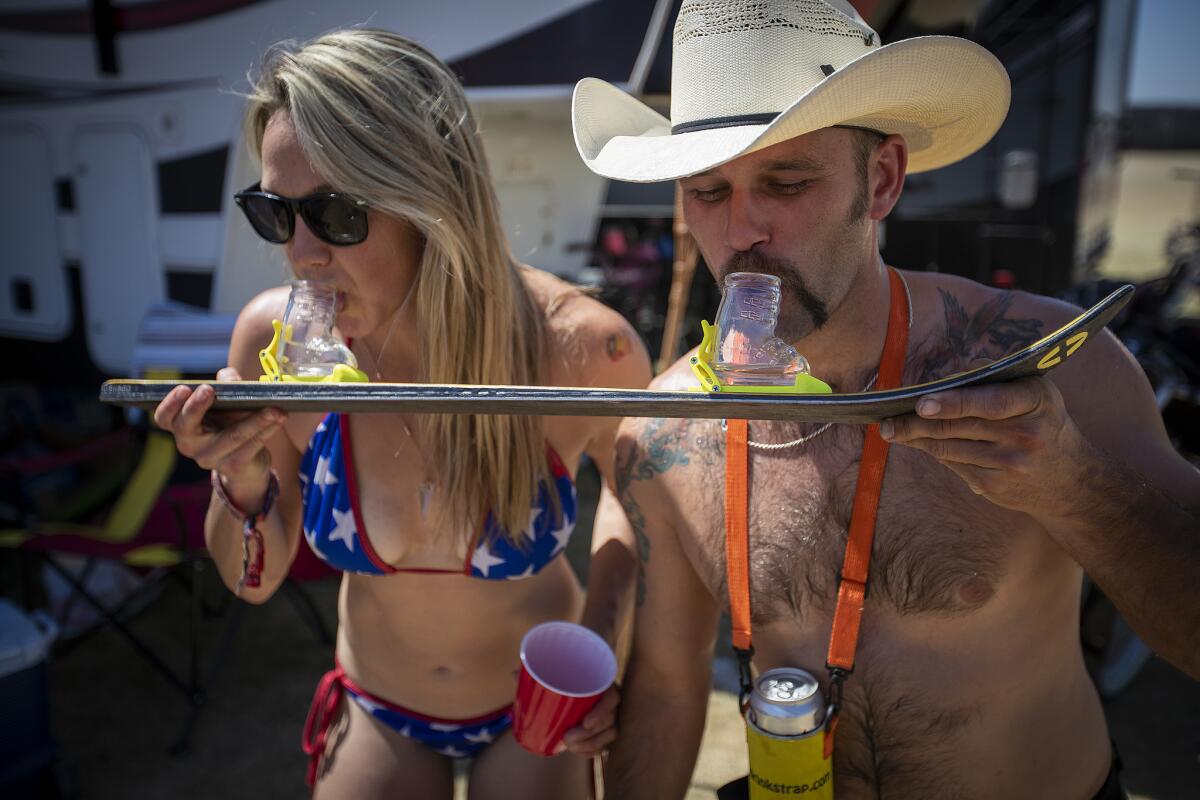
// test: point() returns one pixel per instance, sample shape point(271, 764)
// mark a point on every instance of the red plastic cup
point(565, 668)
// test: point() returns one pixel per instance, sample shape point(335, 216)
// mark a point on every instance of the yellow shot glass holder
point(709, 382)
point(272, 359)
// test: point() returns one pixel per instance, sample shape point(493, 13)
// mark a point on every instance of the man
point(791, 132)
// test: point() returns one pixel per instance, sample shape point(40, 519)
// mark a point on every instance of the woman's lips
point(340, 302)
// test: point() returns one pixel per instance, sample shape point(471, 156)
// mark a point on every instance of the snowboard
point(858, 407)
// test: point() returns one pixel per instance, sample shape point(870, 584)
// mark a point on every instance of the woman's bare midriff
point(453, 652)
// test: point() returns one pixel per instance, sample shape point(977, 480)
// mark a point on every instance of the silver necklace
point(425, 490)
point(808, 437)
point(386, 339)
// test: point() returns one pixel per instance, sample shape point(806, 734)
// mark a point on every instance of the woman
point(449, 528)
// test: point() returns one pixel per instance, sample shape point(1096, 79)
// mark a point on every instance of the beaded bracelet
point(252, 537)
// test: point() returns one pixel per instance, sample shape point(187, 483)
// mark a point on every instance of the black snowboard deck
point(858, 407)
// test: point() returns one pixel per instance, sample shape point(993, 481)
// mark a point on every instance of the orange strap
point(852, 590)
point(737, 529)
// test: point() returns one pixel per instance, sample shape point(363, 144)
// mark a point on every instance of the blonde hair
point(383, 119)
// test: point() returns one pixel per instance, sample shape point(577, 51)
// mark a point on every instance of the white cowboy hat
point(747, 75)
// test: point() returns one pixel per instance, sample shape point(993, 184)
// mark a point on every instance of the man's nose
point(746, 225)
point(305, 251)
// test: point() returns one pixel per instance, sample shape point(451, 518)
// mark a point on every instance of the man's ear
point(885, 173)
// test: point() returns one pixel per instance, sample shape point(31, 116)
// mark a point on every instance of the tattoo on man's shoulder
point(661, 445)
point(987, 333)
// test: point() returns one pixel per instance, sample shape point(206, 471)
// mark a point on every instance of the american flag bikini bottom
point(456, 738)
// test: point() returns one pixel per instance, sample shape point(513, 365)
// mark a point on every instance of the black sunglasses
point(333, 217)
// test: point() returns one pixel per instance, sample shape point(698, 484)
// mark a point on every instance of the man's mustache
point(788, 275)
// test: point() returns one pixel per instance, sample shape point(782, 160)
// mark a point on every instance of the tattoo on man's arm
point(627, 457)
point(661, 445)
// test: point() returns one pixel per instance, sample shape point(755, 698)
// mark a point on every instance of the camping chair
point(152, 528)
point(156, 529)
point(154, 525)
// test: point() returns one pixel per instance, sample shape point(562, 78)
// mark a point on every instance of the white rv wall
point(548, 198)
point(117, 199)
point(29, 230)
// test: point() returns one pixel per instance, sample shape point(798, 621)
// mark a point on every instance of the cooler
point(26, 746)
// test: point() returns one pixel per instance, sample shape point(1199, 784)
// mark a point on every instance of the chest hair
point(937, 547)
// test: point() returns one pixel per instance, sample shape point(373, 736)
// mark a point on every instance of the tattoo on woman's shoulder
point(617, 346)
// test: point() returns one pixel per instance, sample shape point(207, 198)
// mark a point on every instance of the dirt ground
point(115, 718)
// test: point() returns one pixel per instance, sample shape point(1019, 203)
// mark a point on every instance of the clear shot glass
point(310, 347)
point(748, 351)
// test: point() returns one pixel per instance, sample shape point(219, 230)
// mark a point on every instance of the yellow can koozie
point(792, 766)
point(785, 737)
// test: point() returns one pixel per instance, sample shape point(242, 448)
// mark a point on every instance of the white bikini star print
point(563, 534)
point(483, 737)
point(528, 573)
point(370, 706)
point(453, 752)
point(322, 477)
point(483, 560)
point(343, 529)
point(311, 537)
point(531, 529)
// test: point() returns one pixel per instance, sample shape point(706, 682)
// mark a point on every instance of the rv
point(121, 143)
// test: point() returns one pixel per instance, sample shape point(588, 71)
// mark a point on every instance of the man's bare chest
point(937, 548)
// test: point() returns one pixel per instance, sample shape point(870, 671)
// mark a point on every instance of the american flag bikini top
point(335, 531)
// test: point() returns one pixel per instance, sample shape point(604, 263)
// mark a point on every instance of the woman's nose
point(305, 251)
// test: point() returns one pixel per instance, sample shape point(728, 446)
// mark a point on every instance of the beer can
point(785, 737)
